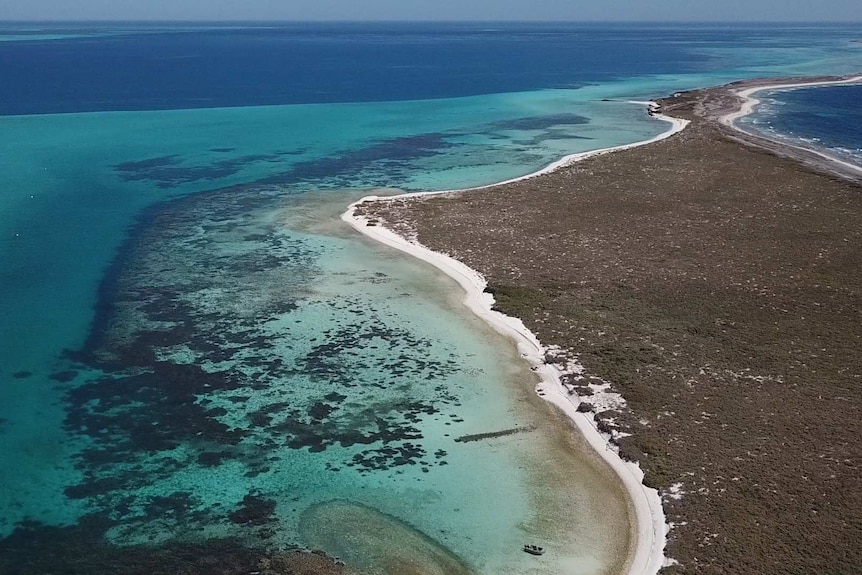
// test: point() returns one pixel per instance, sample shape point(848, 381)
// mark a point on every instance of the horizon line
point(416, 21)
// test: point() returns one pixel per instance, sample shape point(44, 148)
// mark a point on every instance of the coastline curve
point(646, 556)
point(750, 103)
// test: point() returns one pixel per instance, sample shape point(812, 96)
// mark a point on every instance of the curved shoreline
point(686, 172)
point(677, 125)
point(647, 552)
point(646, 555)
point(750, 103)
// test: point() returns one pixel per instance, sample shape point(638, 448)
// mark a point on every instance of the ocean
point(193, 348)
point(825, 118)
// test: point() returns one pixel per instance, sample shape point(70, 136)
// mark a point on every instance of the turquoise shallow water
point(69, 465)
point(86, 176)
point(236, 366)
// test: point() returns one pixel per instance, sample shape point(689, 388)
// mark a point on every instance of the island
point(699, 300)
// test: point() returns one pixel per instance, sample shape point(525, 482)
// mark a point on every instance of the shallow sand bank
point(566, 485)
point(712, 284)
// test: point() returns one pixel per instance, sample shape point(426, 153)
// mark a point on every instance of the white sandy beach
point(647, 554)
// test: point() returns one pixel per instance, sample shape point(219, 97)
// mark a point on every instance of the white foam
point(750, 103)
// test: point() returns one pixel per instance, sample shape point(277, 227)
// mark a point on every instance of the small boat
point(534, 549)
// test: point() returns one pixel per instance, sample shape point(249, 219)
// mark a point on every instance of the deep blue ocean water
point(826, 117)
point(175, 67)
point(192, 348)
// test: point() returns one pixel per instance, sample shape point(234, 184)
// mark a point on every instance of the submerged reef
point(210, 361)
point(36, 549)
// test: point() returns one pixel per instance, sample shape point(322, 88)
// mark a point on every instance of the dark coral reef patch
point(36, 549)
point(199, 363)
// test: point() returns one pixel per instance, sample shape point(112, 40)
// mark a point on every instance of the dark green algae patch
point(191, 363)
point(36, 549)
point(373, 542)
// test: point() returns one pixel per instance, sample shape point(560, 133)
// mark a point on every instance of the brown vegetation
point(718, 287)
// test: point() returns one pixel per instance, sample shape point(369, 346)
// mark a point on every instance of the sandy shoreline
point(677, 125)
point(750, 103)
point(648, 554)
